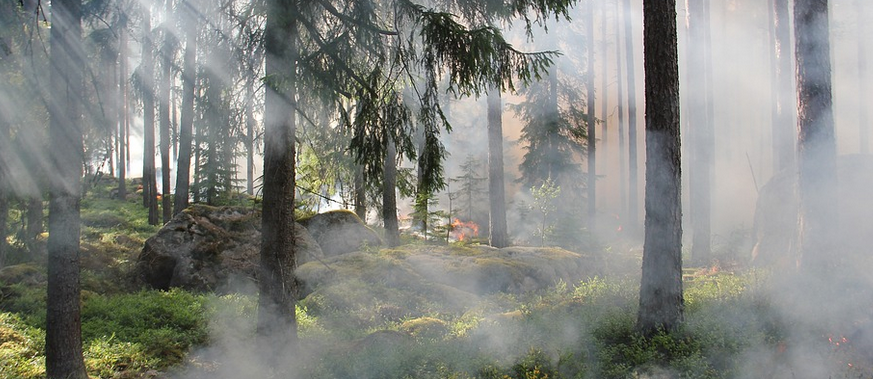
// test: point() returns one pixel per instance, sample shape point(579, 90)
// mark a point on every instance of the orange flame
point(462, 230)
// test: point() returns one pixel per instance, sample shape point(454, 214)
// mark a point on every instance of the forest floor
point(740, 322)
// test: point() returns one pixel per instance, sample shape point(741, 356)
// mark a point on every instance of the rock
point(340, 232)
point(775, 228)
point(210, 248)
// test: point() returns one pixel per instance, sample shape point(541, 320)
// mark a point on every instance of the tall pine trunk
point(164, 119)
point(149, 177)
point(186, 122)
point(633, 175)
point(123, 108)
point(250, 135)
point(604, 87)
point(4, 188)
point(622, 156)
point(499, 236)
point(360, 193)
point(816, 146)
point(63, 339)
point(661, 300)
point(592, 127)
point(277, 322)
point(389, 197)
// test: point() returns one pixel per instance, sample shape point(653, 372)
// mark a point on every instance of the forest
point(435, 189)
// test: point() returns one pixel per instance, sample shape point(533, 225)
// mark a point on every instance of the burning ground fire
point(464, 230)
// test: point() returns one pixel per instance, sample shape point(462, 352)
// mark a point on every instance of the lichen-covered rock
point(340, 232)
point(210, 248)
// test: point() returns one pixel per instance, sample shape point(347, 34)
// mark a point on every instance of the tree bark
point(250, 135)
point(149, 177)
point(622, 154)
point(164, 119)
point(186, 122)
point(277, 322)
point(702, 140)
point(604, 87)
point(121, 141)
point(360, 193)
point(592, 127)
point(389, 197)
point(661, 300)
point(63, 345)
point(816, 146)
point(499, 237)
point(633, 176)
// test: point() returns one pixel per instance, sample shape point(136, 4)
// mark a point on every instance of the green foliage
point(166, 324)
point(544, 204)
point(107, 358)
point(21, 348)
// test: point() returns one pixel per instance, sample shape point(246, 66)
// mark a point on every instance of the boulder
point(210, 248)
point(776, 214)
point(340, 232)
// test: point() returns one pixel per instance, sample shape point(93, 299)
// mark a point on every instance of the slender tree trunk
point(633, 181)
point(4, 189)
point(389, 199)
point(702, 144)
point(186, 122)
point(63, 344)
point(123, 108)
point(661, 300)
point(622, 155)
point(816, 147)
point(592, 127)
point(604, 87)
point(164, 117)
point(250, 136)
point(419, 217)
point(784, 134)
point(149, 177)
point(277, 322)
point(360, 193)
point(863, 113)
point(499, 237)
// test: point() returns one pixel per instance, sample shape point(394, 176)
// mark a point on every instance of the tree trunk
point(164, 116)
point(250, 136)
point(389, 197)
point(360, 194)
point(419, 216)
point(149, 177)
point(123, 108)
point(499, 237)
point(816, 146)
point(702, 140)
point(186, 122)
point(63, 340)
point(277, 322)
point(592, 127)
point(863, 116)
point(661, 300)
point(604, 87)
point(633, 176)
point(622, 155)
point(784, 135)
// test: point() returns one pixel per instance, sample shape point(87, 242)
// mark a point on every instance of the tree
point(498, 235)
point(701, 132)
point(277, 284)
point(863, 116)
point(471, 185)
point(147, 76)
point(633, 185)
point(592, 129)
point(63, 345)
point(166, 54)
point(816, 146)
point(622, 157)
point(123, 108)
point(389, 200)
point(186, 122)
point(661, 299)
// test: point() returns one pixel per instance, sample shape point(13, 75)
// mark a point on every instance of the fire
point(463, 230)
